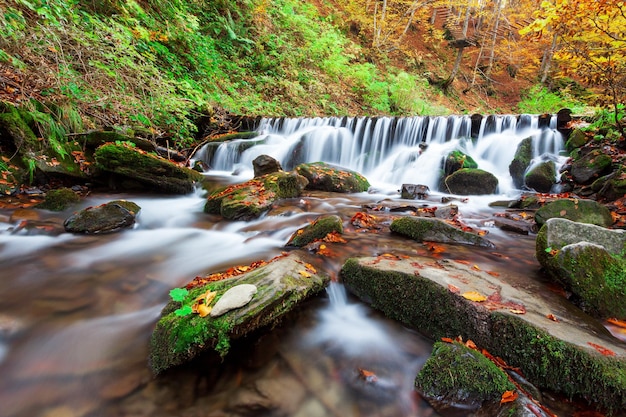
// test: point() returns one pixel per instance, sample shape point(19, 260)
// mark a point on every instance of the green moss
point(59, 200)
point(326, 177)
point(412, 228)
point(321, 227)
point(128, 205)
point(577, 210)
point(457, 160)
point(16, 133)
point(458, 374)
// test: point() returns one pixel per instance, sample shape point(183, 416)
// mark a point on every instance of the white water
point(392, 151)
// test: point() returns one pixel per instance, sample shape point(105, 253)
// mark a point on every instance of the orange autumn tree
point(591, 45)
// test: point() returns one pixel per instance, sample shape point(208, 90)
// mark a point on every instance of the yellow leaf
point(474, 296)
point(204, 310)
point(304, 274)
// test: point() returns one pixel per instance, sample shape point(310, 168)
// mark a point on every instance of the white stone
point(235, 297)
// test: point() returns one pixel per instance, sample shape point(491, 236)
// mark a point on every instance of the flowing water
point(76, 312)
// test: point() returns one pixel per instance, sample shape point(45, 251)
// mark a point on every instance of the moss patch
point(326, 177)
point(59, 200)
point(321, 227)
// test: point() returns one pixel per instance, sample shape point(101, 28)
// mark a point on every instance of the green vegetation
point(539, 99)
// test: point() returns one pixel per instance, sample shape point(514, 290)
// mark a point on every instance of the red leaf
point(601, 349)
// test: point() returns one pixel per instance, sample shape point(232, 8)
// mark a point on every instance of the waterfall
point(391, 151)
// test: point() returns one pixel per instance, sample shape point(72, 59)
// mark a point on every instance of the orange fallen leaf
point(508, 397)
point(552, 317)
point(369, 376)
point(471, 345)
point(604, 351)
point(493, 273)
point(447, 340)
point(474, 296)
point(454, 289)
point(618, 323)
point(310, 268)
point(204, 310)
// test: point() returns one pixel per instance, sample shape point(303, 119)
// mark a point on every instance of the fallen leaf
point(617, 322)
point(552, 317)
point(204, 310)
point(454, 289)
point(471, 345)
point(305, 274)
point(517, 310)
point(447, 340)
point(368, 376)
point(508, 397)
point(474, 296)
point(493, 273)
point(475, 267)
point(604, 351)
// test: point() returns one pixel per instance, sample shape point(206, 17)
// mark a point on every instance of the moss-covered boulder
point(575, 140)
point(541, 177)
point(589, 262)
point(182, 334)
point(319, 229)
point(250, 199)
point(456, 160)
point(612, 186)
point(582, 211)
point(106, 218)
point(436, 230)
point(468, 181)
point(521, 161)
point(130, 168)
point(593, 165)
point(97, 138)
point(327, 177)
point(449, 299)
point(15, 134)
point(59, 199)
point(457, 376)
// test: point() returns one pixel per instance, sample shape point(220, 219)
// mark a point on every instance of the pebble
point(235, 297)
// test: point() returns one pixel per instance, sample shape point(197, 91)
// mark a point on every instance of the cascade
point(391, 151)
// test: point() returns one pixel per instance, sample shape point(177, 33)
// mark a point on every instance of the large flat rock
point(557, 347)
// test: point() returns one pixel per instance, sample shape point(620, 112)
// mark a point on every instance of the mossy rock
point(456, 160)
point(521, 161)
point(281, 285)
point(577, 210)
point(541, 177)
point(611, 187)
point(468, 181)
point(150, 172)
point(98, 138)
point(326, 177)
point(589, 261)
point(575, 140)
point(429, 297)
point(593, 165)
point(106, 218)
point(436, 230)
point(252, 198)
point(16, 135)
point(458, 376)
point(319, 229)
point(59, 199)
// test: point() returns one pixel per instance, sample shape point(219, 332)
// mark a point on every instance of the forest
point(160, 65)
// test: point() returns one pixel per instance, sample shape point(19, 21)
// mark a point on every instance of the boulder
point(443, 298)
point(327, 177)
point(252, 198)
point(265, 164)
point(133, 169)
point(436, 230)
point(106, 218)
point(181, 334)
point(413, 191)
point(319, 229)
point(59, 199)
point(588, 261)
point(456, 160)
point(468, 181)
point(591, 166)
point(521, 161)
point(541, 177)
point(459, 377)
point(612, 186)
point(575, 140)
point(582, 211)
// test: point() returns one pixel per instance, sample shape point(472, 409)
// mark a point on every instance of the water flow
point(391, 151)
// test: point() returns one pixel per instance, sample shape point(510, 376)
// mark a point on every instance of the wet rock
point(456, 160)
point(591, 166)
point(448, 212)
point(468, 181)
point(515, 226)
point(435, 230)
point(327, 177)
point(521, 161)
point(59, 200)
point(541, 177)
point(131, 169)
point(252, 198)
point(106, 218)
point(459, 377)
point(265, 164)
point(587, 260)
point(413, 191)
point(282, 284)
point(578, 210)
point(236, 297)
point(575, 140)
point(612, 186)
point(430, 296)
point(321, 227)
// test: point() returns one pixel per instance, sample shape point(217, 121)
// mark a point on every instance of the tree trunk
point(455, 69)
point(494, 39)
point(546, 62)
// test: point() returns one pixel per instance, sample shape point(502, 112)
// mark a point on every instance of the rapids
point(76, 312)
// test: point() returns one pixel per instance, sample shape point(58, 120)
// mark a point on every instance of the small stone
point(235, 297)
